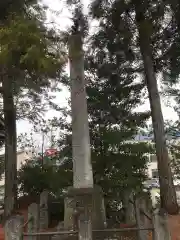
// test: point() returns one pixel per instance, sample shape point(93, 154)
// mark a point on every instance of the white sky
point(63, 21)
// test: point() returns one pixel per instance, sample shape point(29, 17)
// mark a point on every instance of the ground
point(174, 224)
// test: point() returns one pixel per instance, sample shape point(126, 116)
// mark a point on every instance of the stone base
point(84, 200)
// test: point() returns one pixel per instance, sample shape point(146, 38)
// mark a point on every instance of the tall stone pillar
point(84, 200)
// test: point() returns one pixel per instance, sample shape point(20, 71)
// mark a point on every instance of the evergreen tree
point(119, 163)
point(168, 195)
point(171, 53)
point(29, 59)
point(139, 25)
point(112, 97)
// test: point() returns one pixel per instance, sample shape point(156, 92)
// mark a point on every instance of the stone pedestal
point(33, 224)
point(160, 224)
point(13, 229)
point(84, 200)
point(44, 214)
point(128, 204)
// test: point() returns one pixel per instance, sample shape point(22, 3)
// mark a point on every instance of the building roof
point(150, 137)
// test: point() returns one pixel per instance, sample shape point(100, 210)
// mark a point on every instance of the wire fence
point(108, 234)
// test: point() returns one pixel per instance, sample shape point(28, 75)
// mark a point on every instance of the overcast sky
point(63, 22)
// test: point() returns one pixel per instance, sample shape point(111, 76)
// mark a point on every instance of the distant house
point(152, 170)
point(22, 156)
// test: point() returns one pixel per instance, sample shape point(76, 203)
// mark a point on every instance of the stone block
point(14, 228)
point(84, 199)
point(33, 217)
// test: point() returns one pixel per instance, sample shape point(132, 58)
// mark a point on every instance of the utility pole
point(42, 147)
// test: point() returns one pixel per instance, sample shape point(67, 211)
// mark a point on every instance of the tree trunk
point(10, 148)
point(82, 167)
point(167, 190)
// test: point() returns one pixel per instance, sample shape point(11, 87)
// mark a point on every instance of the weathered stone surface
point(77, 200)
point(160, 222)
point(33, 217)
point(141, 219)
point(44, 215)
point(81, 151)
point(85, 226)
point(60, 226)
point(129, 207)
point(14, 228)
